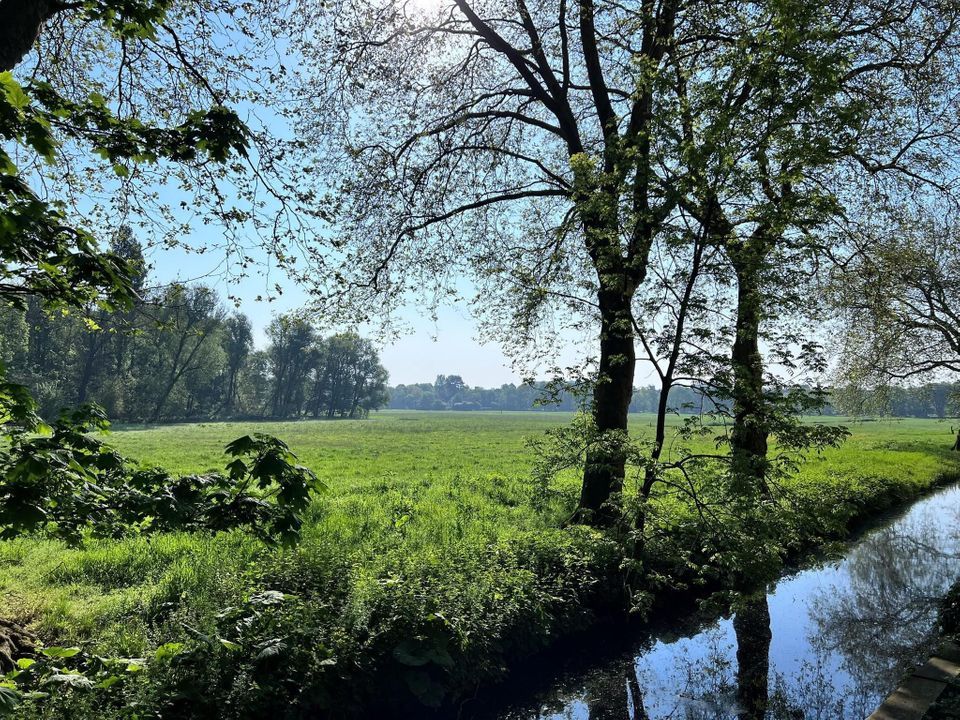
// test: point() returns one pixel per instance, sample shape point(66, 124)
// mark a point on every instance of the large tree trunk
point(748, 439)
point(956, 443)
point(20, 24)
point(605, 466)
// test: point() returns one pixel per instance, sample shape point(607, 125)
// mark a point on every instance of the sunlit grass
point(423, 498)
point(423, 482)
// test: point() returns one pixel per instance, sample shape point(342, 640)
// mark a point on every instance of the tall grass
point(426, 547)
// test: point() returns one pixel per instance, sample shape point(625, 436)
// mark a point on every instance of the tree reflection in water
point(881, 619)
point(827, 644)
point(752, 627)
point(703, 689)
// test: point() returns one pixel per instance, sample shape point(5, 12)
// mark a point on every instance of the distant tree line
point(450, 392)
point(938, 400)
point(177, 354)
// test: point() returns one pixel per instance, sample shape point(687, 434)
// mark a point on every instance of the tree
point(900, 300)
point(187, 326)
point(135, 95)
point(448, 387)
point(785, 114)
point(500, 112)
point(902, 293)
point(110, 328)
point(45, 255)
point(546, 148)
point(238, 344)
point(292, 356)
point(43, 251)
point(357, 382)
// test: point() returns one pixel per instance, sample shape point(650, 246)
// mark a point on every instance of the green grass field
point(427, 531)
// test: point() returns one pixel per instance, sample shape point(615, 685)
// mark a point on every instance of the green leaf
point(13, 92)
point(230, 645)
point(9, 700)
point(167, 651)
point(241, 446)
point(60, 652)
point(71, 680)
point(270, 649)
point(237, 469)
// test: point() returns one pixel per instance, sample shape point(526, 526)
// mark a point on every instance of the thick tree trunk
point(748, 439)
point(91, 355)
point(605, 466)
point(956, 443)
point(20, 24)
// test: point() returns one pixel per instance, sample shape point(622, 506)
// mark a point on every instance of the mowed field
point(427, 515)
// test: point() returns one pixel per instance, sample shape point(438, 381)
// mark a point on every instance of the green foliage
point(178, 355)
point(41, 253)
point(127, 18)
point(55, 670)
point(69, 484)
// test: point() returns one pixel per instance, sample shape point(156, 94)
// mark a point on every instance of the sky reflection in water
point(827, 643)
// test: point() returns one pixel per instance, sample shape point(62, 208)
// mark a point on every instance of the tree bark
point(748, 439)
point(20, 25)
point(15, 643)
point(604, 471)
point(956, 443)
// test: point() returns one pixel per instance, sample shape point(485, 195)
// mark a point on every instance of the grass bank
point(424, 572)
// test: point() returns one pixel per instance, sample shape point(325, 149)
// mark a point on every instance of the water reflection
point(752, 627)
point(880, 620)
point(827, 643)
point(622, 699)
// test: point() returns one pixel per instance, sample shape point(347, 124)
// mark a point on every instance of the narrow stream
point(827, 643)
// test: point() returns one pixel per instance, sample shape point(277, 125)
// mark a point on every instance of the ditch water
point(828, 642)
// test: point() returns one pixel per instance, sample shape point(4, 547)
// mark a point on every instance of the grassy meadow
point(424, 570)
